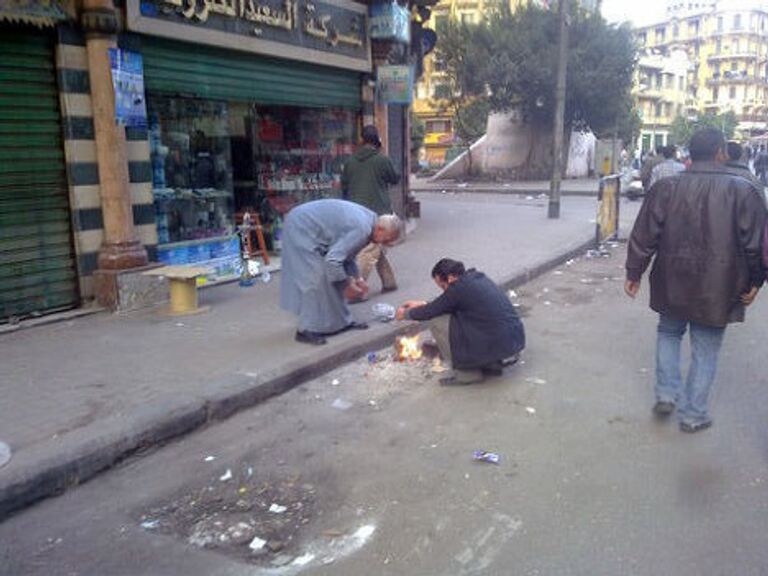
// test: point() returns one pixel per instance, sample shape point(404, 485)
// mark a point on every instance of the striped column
point(82, 166)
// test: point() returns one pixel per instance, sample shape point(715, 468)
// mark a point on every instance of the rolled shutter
point(37, 262)
point(205, 72)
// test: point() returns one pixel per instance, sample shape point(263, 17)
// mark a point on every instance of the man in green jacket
point(365, 180)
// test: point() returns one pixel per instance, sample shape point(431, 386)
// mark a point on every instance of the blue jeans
point(692, 398)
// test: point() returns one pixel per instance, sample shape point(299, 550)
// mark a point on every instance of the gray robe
point(320, 241)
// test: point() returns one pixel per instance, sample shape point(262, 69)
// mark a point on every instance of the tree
point(461, 50)
point(418, 130)
point(683, 128)
point(509, 60)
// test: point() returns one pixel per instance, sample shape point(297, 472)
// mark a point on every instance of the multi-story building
point(726, 42)
point(430, 103)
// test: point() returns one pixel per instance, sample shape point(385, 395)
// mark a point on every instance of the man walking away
point(650, 163)
point(761, 164)
point(668, 167)
point(702, 228)
point(736, 162)
point(365, 180)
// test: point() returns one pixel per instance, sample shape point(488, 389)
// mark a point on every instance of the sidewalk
point(568, 187)
point(82, 394)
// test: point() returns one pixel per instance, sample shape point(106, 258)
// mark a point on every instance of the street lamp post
point(558, 127)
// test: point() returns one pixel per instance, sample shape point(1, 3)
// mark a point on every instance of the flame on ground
point(408, 348)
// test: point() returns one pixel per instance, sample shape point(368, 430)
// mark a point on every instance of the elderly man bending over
point(320, 241)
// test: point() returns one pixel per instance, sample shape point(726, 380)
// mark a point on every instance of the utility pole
point(558, 127)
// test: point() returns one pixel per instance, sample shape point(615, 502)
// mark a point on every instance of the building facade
point(726, 43)
point(136, 133)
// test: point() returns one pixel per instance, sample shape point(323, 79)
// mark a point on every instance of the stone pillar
point(121, 248)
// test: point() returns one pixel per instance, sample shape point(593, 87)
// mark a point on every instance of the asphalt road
point(374, 466)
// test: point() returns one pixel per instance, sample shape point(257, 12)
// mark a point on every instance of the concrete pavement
point(82, 394)
point(589, 482)
point(568, 187)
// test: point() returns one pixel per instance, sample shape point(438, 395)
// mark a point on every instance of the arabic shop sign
point(332, 32)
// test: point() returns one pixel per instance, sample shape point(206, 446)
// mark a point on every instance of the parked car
point(635, 190)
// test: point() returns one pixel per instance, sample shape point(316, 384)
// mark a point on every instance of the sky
point(637, 12)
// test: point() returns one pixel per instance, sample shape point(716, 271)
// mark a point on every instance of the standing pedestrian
point(365, 179)
point(651, 161)
point(702, 228)
point(761, 164)
point(736, 162)
point(668, 167)
point(320, 242)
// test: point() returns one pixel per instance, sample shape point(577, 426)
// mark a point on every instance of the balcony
point(729, 77)
point(731, 56)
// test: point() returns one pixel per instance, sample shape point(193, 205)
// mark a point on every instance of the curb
point(503, 191)
point(165, 420)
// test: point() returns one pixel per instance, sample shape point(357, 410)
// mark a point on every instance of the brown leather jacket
point(704, 227)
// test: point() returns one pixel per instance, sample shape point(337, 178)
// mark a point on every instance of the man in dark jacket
point(474, 324)
point(703, 227)
point(736, 162)
point(365, 180)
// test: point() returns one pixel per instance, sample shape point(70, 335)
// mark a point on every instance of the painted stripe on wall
point(74, 104)
point(139, 172)
point(138, 150)
point(69, 35)
point(74, 81)
point(141, 193)
point(135, 134)
point(143, 214)
point(80, 151)
point(89, 240)
point(87, 263)
point(83, 174)
point(78, 127)
point(147, 234)
point(88, 219)
point(82, 197)
point(72, 57)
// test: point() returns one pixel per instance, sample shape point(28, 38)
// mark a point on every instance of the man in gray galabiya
point(474, 324)
point(320, 241)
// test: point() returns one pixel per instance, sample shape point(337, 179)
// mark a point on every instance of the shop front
point(235, 131)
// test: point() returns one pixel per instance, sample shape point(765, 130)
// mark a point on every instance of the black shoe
point(356, 326)
point(511, 361)
point(697, 427)
point(495, 369)
point(663, 408)
point(385, 289)
point(452, 381)
point(308, 337)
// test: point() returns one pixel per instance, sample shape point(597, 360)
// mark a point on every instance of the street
point(373, 464)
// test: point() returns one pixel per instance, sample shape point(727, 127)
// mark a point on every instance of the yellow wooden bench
point(182, 285)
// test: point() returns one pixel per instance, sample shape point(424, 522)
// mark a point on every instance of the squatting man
point(474, 324)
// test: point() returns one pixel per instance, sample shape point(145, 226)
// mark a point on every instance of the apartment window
point(442, 91)
point(660, 34)
point(657, 111)
point(696, 50)
point(643, 38)
point(732, 93)
point(437, 126)
point(718, 46)
point(675, 31)
point(669, 81)
point(438, 65)
point(657, 80)
point(715, 94)
point(719, 23)
point(737, 22)
point(467, 18)
point(693, 29)
point(441, 21)
point(680, 83)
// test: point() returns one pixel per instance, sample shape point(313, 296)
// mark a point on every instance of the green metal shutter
point(205, 72)
point(37, 264)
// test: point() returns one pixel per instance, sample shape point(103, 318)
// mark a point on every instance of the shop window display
point(212, 161)
point(191, 168)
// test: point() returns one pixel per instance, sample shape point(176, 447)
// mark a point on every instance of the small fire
point(408, 348)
